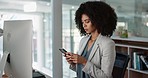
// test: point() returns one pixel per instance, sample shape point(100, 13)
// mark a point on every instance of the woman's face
point(87, 25)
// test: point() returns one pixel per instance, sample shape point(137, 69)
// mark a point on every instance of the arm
point(107, 62)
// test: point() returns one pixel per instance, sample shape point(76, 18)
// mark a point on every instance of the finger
point(75, 61)
point(67, 58)
point(74, 56)
point(68, 53)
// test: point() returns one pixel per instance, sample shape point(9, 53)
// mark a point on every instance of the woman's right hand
point(68, 56)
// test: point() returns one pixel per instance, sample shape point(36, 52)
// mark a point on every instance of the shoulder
point(107, 46)
point(106, 41)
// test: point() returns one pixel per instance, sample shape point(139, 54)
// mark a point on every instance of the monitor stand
point(3, 62)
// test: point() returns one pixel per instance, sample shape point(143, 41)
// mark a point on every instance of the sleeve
point(107, 62)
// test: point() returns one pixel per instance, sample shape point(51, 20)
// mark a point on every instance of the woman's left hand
point(78, 59)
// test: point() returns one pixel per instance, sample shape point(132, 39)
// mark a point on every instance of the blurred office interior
point(132, 16)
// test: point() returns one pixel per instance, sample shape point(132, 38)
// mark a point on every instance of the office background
point(54, 27)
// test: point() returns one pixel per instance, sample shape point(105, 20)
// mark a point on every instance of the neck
point(94, 36)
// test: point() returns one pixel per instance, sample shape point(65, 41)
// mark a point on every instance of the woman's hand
point(68, 56)
point(78, 59)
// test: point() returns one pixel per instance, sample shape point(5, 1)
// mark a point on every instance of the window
point(134, 14)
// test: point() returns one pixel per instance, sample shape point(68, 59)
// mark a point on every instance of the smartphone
point(62, 50)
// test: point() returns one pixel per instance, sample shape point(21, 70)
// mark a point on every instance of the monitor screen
point(17, 39)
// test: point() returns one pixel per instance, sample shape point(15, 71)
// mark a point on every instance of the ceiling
point(121, 6)
point(42, 5)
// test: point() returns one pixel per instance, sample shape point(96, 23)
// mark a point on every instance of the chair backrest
point(121, 63)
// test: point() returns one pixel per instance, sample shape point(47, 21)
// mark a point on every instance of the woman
point(96, 21)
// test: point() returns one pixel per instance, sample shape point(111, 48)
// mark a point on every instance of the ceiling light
point(48, 4)
point(147, 24)
point(72, 7)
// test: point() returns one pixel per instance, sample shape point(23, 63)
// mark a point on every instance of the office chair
point(120, 65)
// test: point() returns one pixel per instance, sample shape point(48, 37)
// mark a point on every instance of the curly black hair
point(101, 15)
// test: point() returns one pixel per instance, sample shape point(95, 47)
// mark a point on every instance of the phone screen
point(63, 50)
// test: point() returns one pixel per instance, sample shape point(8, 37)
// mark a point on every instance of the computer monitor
point(17, 39)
